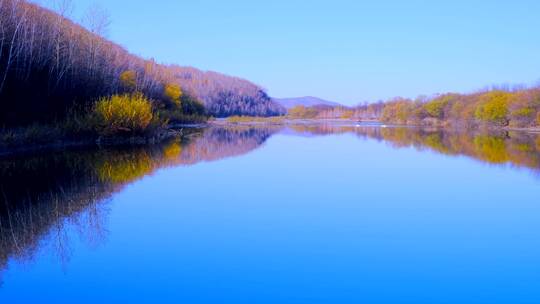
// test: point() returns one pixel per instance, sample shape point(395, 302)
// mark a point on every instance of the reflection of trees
point(42, 196)
point(322, 128)
point(520, 149)
point(515, 148)
point(218, 143)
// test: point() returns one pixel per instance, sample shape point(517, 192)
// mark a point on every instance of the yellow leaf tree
point(173, 93)
point(493, 108)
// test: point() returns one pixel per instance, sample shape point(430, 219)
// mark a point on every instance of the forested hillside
point(50, 66)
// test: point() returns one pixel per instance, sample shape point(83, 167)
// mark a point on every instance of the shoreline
point(90, 142)
point(178, 130)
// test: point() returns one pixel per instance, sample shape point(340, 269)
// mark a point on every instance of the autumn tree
point(173, 93)
point(493, 108)
point(435, 108)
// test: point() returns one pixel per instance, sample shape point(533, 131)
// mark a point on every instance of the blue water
point(300, 218)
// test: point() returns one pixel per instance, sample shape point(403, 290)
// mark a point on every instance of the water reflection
point(42, 195)
point(516, 148)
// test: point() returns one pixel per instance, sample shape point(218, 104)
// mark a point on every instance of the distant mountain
point(307, 101)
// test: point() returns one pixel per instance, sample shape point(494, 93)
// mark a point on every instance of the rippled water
point(298, 214)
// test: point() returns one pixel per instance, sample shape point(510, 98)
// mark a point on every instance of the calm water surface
point(302, 214)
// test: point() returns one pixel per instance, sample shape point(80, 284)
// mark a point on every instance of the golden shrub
point(123, 113)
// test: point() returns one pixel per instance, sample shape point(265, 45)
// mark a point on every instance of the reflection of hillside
point(41, 195)
point(217, 143)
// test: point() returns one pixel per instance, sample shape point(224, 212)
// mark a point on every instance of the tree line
point(519, 108)
point(50, 66)
point(500, 107)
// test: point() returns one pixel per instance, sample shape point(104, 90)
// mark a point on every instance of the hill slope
point(307, 101)
point(50, 65)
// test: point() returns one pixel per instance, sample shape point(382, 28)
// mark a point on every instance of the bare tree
point(64, 8)
point(97, 20)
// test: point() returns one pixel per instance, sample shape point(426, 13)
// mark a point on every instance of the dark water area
point(307, 213)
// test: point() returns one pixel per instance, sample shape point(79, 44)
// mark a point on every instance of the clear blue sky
point(347, 51)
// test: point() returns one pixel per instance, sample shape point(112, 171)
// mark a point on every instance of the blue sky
point(347, 51)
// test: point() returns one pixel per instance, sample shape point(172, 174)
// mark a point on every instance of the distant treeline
point(519, 108)
point(50, 65)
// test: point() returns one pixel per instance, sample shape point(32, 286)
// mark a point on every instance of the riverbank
point(48, 139)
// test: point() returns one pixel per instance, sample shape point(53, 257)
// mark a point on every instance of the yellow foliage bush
point(173, 93)
point(122, 113)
